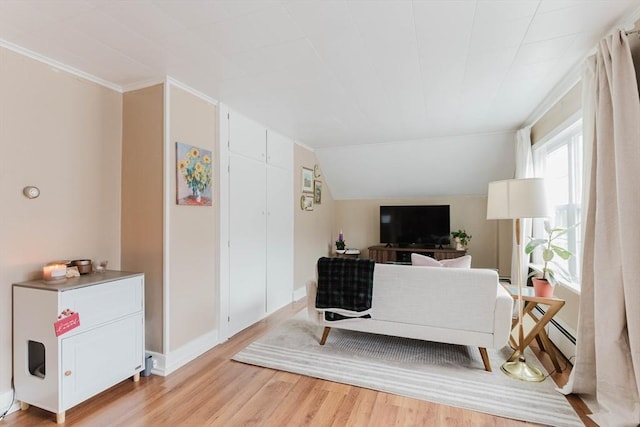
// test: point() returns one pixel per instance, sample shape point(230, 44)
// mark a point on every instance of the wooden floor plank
point(326, 414)
point(384, 412)
point(309, 407)
point(343, 412)
point(237, 399)
point(263, 403)
point(361, 413)
point(213, 390)
point(407, 412)
point(290, 403)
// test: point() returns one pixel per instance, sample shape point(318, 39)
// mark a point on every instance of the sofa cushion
point(424, 261)
point(451, 298)
point(427, 261)
point(460, 262)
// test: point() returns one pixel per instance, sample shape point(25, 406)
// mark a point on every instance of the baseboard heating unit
point(561, 335)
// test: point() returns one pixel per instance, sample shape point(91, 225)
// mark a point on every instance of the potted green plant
point(340, 245)
point(461, 238)
point(545, 277)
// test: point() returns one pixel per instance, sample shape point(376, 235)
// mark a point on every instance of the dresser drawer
point(105, 302)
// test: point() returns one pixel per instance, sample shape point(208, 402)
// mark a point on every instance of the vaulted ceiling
point(331, 73)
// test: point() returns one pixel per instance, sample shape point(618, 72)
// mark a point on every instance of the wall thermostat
point(31, 192)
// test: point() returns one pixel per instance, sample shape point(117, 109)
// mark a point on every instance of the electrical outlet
point(155, 363)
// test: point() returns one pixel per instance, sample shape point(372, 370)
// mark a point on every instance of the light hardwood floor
point(215, 391)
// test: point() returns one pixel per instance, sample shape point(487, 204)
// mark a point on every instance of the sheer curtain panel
point(524, 169)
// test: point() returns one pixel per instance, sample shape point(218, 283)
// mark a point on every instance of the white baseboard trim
point(164, 364)
point(6, 402)
point(299, 293)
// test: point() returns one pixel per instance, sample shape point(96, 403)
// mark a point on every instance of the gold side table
point(538, 332)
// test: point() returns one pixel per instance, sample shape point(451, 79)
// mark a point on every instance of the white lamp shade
point(517, 198)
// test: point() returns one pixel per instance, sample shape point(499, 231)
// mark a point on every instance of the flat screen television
point(423, 226)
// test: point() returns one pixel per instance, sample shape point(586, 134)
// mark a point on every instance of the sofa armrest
point(502, 317)
point(312, 290)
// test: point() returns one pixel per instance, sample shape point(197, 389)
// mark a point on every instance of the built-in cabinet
point(260, 221)
point(58, 366)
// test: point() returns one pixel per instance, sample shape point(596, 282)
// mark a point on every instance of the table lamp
point(516, 199)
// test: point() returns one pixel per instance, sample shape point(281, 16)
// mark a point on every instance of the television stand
point(384, 254)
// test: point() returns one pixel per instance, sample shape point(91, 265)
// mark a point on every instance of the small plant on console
point(340, 245)
point(462, 238)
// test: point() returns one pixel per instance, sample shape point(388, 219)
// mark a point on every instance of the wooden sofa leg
point(485, 359)
point(325, 334)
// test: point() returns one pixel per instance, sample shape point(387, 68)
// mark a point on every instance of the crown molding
point(59, 65)
point(559, 90)
point(143, 84)
point(174, 82)
point(305, 146)
point(574, 75)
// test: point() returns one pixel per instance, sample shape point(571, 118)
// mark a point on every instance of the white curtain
point(524, 169)
point(607, 364)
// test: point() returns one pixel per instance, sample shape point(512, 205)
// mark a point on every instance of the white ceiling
point(398, 98)
point(451, 166)
point(332, 72)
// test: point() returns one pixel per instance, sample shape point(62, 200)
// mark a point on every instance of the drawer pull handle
point(67, 373)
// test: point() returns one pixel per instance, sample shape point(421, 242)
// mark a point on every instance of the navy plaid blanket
point(344, 283)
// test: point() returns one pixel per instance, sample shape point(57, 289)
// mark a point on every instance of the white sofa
point(464, 306)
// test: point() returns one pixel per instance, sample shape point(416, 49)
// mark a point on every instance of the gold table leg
point(538, 332)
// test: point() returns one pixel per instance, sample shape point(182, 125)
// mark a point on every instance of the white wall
point(62, 134)
point(314, 231)
point(191, 231)
point(142, 235)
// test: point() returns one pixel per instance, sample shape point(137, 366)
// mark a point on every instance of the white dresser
point(56, 373)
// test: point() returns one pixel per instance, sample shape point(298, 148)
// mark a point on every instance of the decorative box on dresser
point(56, 373)
point(390, 254)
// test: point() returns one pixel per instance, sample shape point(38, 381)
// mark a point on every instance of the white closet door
point(279, 151)
point(279, 238)
point(247, 237)
point(247, 137)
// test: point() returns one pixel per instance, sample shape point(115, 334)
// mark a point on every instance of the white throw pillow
point(461, 262)
point(424, 261)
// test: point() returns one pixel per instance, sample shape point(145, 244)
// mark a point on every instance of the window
point(559, 160)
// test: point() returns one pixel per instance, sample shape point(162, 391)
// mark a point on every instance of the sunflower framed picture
point(194, 176)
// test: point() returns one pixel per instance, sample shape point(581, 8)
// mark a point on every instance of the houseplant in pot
point(461, 238)
point(340, 244)
point(545, 277)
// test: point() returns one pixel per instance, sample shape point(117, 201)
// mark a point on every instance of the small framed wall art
point(317, 192)
point(307, 180)
point(306, 202)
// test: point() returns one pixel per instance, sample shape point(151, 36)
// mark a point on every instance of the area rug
point(441, 373)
